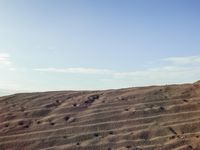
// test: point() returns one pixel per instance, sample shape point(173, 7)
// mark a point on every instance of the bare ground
point(143, 118)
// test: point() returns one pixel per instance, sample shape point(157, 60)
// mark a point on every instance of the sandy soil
point(143, 118)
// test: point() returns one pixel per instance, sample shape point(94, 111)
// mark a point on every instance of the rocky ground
point(143, 118)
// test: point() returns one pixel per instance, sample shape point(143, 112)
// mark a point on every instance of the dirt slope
point(144, 118)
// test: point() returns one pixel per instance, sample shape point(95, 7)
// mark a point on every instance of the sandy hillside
point(144, 118)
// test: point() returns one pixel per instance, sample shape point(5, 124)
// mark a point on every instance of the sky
point(91, 44)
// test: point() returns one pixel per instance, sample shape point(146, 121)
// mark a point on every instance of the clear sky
point(98, 44)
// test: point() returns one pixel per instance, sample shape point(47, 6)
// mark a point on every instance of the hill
point(142, 118)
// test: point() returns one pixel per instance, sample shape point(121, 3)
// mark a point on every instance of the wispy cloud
point(166, 73)
point(176, 70)
point(190, 60)
point(5, 59)
point(75, 70)
point(6, 62)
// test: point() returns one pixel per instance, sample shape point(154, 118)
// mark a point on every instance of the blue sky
point(91, 44)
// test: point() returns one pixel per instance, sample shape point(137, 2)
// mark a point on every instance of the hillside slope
point(143, 118)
